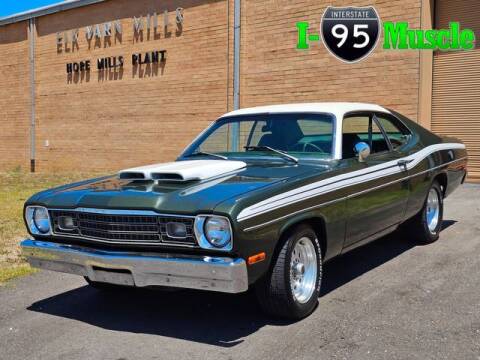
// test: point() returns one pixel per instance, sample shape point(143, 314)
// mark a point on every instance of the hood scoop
point(182, 171)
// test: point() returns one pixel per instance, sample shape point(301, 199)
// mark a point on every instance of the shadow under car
point(206, 317)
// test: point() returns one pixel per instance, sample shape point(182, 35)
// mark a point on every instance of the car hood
point(190, 197)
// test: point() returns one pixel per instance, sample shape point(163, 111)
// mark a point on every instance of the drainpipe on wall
point(32, 34)
point(236, 69)
point(236, 55)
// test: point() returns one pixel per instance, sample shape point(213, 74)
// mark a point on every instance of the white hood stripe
point(342, 181)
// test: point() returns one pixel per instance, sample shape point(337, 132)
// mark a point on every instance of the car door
point(378, 196)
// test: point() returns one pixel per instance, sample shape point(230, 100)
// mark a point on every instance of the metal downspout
point(32, 93)
point(236, 68)
point(236, 55)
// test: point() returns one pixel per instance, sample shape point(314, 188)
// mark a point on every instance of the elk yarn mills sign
point(106, 34)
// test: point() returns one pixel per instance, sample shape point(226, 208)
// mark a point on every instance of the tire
point(276, 292)
point(423, 226)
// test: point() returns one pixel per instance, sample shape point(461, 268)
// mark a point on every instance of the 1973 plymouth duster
point(262, 198)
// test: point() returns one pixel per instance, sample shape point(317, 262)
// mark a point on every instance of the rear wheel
point(291, 288)
point(426, 225)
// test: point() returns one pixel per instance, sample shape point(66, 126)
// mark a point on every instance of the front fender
point(265, 237)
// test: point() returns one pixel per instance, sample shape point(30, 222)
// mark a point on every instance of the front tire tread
point(274, 292)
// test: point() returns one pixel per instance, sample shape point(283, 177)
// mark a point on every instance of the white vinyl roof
point(337, 108)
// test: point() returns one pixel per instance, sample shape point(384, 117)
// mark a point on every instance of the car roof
point(337, 108)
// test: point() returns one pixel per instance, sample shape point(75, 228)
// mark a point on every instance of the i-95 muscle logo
point(352, 33)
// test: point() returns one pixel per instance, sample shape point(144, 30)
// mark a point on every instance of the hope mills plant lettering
point(112, 62)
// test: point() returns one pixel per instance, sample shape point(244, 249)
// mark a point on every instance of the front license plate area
point(113, 276)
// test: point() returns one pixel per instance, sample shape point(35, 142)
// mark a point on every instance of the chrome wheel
point(303, 270)
point(433, 210)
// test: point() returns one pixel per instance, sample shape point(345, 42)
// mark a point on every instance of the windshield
point(302, 135)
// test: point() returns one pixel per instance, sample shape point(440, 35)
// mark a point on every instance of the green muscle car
point(262, 198)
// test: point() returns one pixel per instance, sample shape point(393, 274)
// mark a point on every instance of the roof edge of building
point(46, 10)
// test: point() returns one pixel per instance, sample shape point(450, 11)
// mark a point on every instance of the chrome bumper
point(140, 269)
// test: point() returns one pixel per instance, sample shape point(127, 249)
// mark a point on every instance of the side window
point(357, 129)
point(396, 132)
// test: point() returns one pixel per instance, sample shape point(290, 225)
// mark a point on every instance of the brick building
point(67, 103)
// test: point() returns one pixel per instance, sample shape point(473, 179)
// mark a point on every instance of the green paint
point(397, 35)
point(302, 28)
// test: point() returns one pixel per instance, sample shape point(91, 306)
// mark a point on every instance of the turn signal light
point(256, 258)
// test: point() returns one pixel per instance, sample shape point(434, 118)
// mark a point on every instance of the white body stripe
point(341, 181)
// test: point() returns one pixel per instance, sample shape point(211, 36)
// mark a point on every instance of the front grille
point(123, 228)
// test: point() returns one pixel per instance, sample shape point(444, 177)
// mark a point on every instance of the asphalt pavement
point(388, 300)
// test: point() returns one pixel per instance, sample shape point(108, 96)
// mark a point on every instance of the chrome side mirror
point(362, 150)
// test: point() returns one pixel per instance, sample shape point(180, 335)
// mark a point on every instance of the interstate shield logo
point(350, 33)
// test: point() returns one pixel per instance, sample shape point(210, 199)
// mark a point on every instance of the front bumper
point(140, 269)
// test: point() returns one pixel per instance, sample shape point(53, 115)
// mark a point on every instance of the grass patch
point(13, 271)
point(15, 188)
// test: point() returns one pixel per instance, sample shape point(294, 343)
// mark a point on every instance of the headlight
point(214, 232)
point(38, 220)
point(217, 231)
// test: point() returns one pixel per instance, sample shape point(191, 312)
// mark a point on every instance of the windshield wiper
point(280, 152)
point(208, 154)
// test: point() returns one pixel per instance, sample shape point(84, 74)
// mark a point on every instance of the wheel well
point(443, 181)
point(318, 225)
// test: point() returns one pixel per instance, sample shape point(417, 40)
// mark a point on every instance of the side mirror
point(362, 150)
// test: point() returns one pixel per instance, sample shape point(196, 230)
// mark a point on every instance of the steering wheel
point(316, 147)
point(396, 142)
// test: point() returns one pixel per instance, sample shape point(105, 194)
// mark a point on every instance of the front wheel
point(426, 225)
point(292, 286)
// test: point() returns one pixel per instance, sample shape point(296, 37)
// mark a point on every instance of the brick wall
point(114, 119)
point(273, 71)
point(14, 96)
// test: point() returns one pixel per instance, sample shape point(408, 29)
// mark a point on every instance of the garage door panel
point(464, 11)
point(456, 83)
